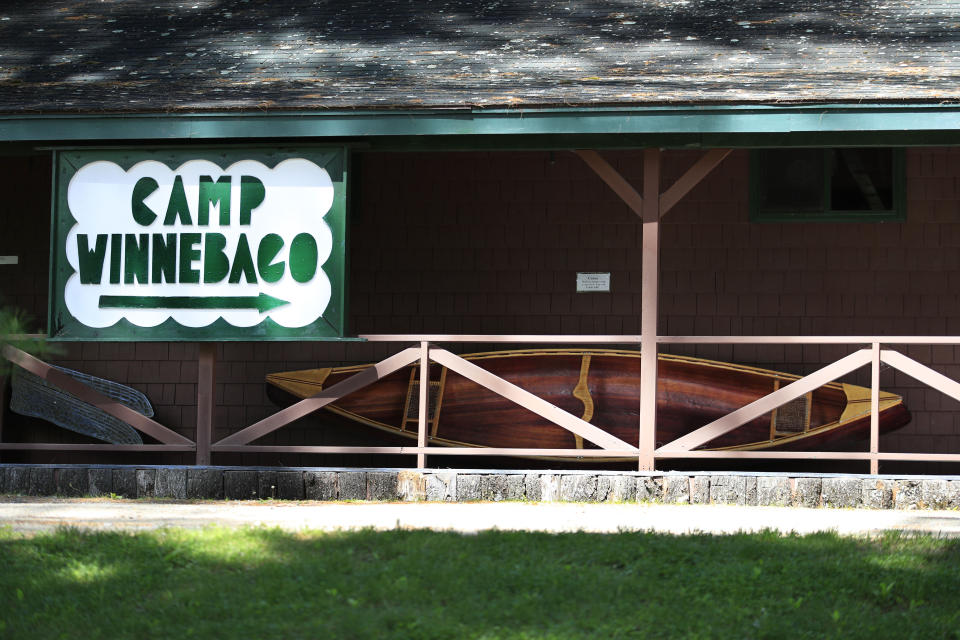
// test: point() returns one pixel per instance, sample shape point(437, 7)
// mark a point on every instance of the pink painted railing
point(871, 352)
point(683, 447)
point(873, 356)
point(169, 440)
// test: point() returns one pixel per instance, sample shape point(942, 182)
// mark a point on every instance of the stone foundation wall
point(246, 483)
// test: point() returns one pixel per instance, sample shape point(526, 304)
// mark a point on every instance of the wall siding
point(491, 243)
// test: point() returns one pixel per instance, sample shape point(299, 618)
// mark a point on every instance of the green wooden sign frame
point(329, 325)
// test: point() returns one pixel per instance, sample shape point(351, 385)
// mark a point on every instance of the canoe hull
point(37, 397)
point(601, 387)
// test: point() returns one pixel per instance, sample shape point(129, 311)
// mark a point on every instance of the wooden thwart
point(582, 393)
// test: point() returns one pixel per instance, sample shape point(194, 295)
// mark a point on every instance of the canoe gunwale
point(627, 353)
point(888, 401)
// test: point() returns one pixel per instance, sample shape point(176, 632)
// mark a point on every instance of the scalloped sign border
point(195, 245)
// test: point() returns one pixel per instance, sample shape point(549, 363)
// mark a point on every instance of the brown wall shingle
point(491, 242)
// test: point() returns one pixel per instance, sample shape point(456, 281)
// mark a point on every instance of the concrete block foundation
point(246, 483)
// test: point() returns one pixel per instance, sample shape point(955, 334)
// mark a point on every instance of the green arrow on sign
point(262, 302)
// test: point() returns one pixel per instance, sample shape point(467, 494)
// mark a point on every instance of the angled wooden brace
point(528, 400)
point(769, 402)
point(921, 372)
point(650, 207)
point(100, 401)
point(614, 180)
point(308, 405)
point(700, 169)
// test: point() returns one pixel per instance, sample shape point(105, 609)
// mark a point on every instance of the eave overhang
point(679, 126)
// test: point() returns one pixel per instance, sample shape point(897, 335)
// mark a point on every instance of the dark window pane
point(862, 180)
point(792, 180)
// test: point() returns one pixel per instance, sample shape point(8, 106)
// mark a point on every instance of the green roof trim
point(689, 126)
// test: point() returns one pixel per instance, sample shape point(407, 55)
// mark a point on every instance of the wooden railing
point(871, 352)
point(874, 355)
point(169, 439)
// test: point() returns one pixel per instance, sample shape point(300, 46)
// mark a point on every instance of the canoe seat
point(793, 417)
point(411, 412)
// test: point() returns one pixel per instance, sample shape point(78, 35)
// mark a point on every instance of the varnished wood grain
point(690, 393)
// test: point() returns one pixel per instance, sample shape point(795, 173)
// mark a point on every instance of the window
point(831, 185)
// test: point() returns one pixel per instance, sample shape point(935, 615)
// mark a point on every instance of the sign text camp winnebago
point(249, 249)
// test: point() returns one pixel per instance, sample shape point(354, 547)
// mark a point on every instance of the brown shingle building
point(836, 211)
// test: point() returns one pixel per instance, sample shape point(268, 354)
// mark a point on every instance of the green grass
point(267, 583)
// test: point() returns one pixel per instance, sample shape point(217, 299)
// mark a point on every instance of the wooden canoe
point(602, 387)
point(37, 397)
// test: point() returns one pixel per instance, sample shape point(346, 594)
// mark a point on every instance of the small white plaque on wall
point(592, 282)
point(9, 259)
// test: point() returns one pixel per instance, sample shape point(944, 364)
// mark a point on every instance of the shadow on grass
point(220, 583)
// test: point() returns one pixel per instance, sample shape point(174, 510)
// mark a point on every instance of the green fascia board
point(558, 142)
point(688, 123)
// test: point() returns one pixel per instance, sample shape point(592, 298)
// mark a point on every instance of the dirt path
point(41, 514)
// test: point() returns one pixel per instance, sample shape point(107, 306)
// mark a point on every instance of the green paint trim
point(171, 331)
point(62, 326)
point(898, 212)
point(362, 125)
point(342, 253)
point(495, 143)
point(261, 302)
point(51, 259)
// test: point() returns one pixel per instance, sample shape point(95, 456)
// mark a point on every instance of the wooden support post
point(206, 363)
point(650, 279)
point(650, 207)
point(422, 417)
point(875, 409)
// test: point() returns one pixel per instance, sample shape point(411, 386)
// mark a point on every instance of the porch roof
point(163, 56)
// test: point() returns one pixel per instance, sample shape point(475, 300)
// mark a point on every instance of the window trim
point(897, 214)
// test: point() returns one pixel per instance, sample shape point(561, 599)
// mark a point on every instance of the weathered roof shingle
point(195, 55)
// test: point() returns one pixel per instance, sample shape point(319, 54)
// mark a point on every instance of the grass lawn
point(267, 583)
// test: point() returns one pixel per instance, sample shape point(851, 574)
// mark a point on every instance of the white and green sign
point(199, 245)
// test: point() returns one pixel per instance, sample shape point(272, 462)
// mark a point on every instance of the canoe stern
point(302, 384)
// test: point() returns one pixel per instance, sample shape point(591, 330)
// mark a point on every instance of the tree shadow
point(258, 582)
point(241, 53)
